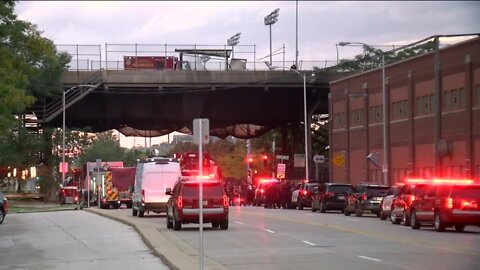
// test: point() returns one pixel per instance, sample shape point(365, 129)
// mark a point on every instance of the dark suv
point(330, 196)
point(400, 209)
point(261, 190)
point(183, 204)
point(3, 207)
point(447, 205)
point(366, 197)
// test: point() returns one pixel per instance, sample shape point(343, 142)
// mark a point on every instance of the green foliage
point(372, 58)
point(105, 146)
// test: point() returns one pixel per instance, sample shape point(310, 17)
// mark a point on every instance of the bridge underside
point(241, 109)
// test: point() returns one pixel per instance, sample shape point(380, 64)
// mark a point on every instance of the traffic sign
point(282, 157)
point(319, 159)
point(339, 160)
point(281, 167)
point(203, 133)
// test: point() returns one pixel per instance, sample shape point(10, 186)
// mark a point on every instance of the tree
point(30, 66)
point(372, 58)
point(105, 146)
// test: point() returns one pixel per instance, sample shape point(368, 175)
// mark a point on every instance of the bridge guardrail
point(90, 57)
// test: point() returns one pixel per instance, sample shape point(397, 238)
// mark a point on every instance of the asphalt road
point(72, 240)
point(261, 238)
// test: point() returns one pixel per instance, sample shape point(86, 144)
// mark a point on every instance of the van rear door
point(157, 179)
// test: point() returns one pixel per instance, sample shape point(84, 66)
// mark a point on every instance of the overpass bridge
point(151, 103)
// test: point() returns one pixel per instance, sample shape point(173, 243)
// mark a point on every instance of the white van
point(152, 178)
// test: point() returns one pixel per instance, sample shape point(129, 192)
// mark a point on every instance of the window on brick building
point(419, 105)
point(446, 100)
point(432, 103)
point(461, 97)
point(455, 99)
point(426, 104)
point(477, 94)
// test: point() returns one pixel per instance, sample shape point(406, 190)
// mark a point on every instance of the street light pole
point(305, 119)
point(64, 126)
point(385, 167)
point(385, 121)
point(269, 20)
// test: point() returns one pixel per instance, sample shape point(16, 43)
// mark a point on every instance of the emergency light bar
point(441, 181)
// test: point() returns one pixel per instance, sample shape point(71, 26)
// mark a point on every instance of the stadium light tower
point(269, 20)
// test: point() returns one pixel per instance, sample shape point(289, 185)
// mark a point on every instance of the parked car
point(302, 195)
point(260, 191)
point(447, 205)
point(183, 207)
point(151, 180)
point(387, 201)
point(3, 207)
point(330, 196)
point(400, 210)
point(366, 197)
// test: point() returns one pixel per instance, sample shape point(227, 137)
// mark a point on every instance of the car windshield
point(340, 188)
point(377, 191)
point(311, 187)
point(209, 189)
point(470, 192)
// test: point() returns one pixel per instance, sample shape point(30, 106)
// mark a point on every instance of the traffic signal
point(250, 162)
point(265, 160)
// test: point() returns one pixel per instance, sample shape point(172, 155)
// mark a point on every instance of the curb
point(175, 255)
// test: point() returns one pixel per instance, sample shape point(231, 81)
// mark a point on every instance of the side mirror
point(168, 191)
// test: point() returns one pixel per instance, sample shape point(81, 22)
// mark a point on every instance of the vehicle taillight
point(261, 190)
point(304, 192)
point(329, 194)
point(180, 202)
point(449, 203)
point(5, 205)
point(225, 201)
point(143, 195)
point(76, 198)
point(364, 197)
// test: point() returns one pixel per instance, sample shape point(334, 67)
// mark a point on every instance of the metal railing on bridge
point(89, 57)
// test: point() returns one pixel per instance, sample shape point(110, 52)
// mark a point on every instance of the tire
point(405, 219)
point(224, 224)
point(300, 205)
point(141, 213)
point(169, 222)
point(322, 207)
point(128, 204)
point(393, 218)
point(414, 221)
point(458, 228)
point(134, 212)
point(382, 214)
point(177, 225)
point(346, 212)
point(2, 216)
point(438, 224)
point(358, 212)
point(215, 225)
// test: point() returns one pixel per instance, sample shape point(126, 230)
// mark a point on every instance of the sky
point(321, 24)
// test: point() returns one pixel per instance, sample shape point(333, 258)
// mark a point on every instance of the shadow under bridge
point(150, 103)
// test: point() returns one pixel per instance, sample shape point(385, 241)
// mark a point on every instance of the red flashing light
point(250, 160)
point(364, 197)
point(304, 192)
point(265, 157)
point(449, 203)
point(225, 201)
point(180, 202)
point(440, 181)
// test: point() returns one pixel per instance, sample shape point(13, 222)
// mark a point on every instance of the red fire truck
point(150, 62)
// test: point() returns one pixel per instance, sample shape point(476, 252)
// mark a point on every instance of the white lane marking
point(351, 219)
point(308, 243)
point(310, 214)
point(238, 222)
point(369, 258)
point(270, 231)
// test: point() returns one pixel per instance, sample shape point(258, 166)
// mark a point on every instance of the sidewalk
point(29, 206)
point(163, 242)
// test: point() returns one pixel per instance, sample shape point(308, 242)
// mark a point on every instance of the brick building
point(414, 122)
